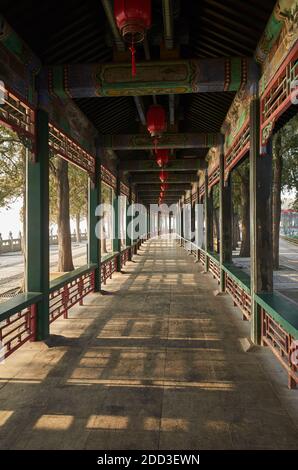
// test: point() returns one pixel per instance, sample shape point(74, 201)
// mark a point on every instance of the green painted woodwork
point(37, 266)
point(109, 256)
point(18, 303)
point(116, 222)
point(280, 309)
point(238, 275)
point(236, 74)
point(94, 199)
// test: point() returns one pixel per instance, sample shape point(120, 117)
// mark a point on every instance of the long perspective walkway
point(155, 362)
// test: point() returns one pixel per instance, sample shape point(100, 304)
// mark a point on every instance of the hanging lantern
point(164, 187)
point(133, 18)
point(163, 176)
point(156, 122)
point(162, 157)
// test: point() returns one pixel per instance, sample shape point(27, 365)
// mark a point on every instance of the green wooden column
point(37, 266)
point(116, 224)
point(181, 221)
point(225, 219)
point(148, 221)
point(129, 219)
point(208, 242)
point(94, 199)
point(260, 217)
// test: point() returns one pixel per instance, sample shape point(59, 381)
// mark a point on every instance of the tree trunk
point(245, 214)
point(78, 230)
point(235, 231)
point(276, 199)
point(65, 262)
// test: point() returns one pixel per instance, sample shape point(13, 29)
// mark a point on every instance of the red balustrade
point(282, 344)
point(108, 267)
point(239, 295)
point(65, 297)
point(17, 330)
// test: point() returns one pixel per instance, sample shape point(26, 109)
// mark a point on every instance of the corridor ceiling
point(79, 32)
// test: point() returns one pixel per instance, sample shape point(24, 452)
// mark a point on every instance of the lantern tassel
point(133, 60)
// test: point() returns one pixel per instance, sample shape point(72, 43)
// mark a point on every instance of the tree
point(285, 175)
point(78, 196)
point(13, 176)
point(60, 211)
point(241, 202)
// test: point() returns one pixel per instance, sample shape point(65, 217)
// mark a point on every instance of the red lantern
point(133, 18)
point(156, 120)
point(163, 176)
point(162, 157)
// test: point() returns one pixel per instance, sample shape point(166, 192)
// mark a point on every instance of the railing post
point(260, 217)
point(225, 217)
point(94, 199)
point(37, 251)
point(116, 207)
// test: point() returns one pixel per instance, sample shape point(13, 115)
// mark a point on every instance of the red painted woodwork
point(156, 120)
point(133, 18)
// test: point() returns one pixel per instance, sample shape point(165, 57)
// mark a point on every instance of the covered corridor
point(153, 362)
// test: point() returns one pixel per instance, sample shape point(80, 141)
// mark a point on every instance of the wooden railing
point(278, 315)
point(69, 290)
point(18, 322)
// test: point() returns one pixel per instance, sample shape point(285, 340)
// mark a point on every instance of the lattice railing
point(124, 256)
point(214, 268)
point(108, 267)
point(239, 295)
point(17, 330)
point(282, 345)
point(108, 177)
point(17, 115)
point(60, 144)
point(201, 191)
point(65, 297)
point(213, 178)
point(277, 96)
point(124, 190)
point(238, 149)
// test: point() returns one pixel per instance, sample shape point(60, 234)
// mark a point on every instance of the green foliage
point(12, 167)
point(289, 151)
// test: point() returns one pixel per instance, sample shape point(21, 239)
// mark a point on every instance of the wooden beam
point(153, 78)
point(177, 141)
point(174, 178)
point(150, 165)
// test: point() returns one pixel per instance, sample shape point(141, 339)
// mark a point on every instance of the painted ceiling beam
point(172, 188)
point(153, 78)
point(177, 141)
point(150, 165)
point(174, 178)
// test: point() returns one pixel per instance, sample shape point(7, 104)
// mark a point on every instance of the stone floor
point(155, 363)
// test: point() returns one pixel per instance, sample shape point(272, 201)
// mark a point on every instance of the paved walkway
point(156, 363)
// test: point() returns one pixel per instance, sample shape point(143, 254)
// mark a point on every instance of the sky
point(10, 221)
